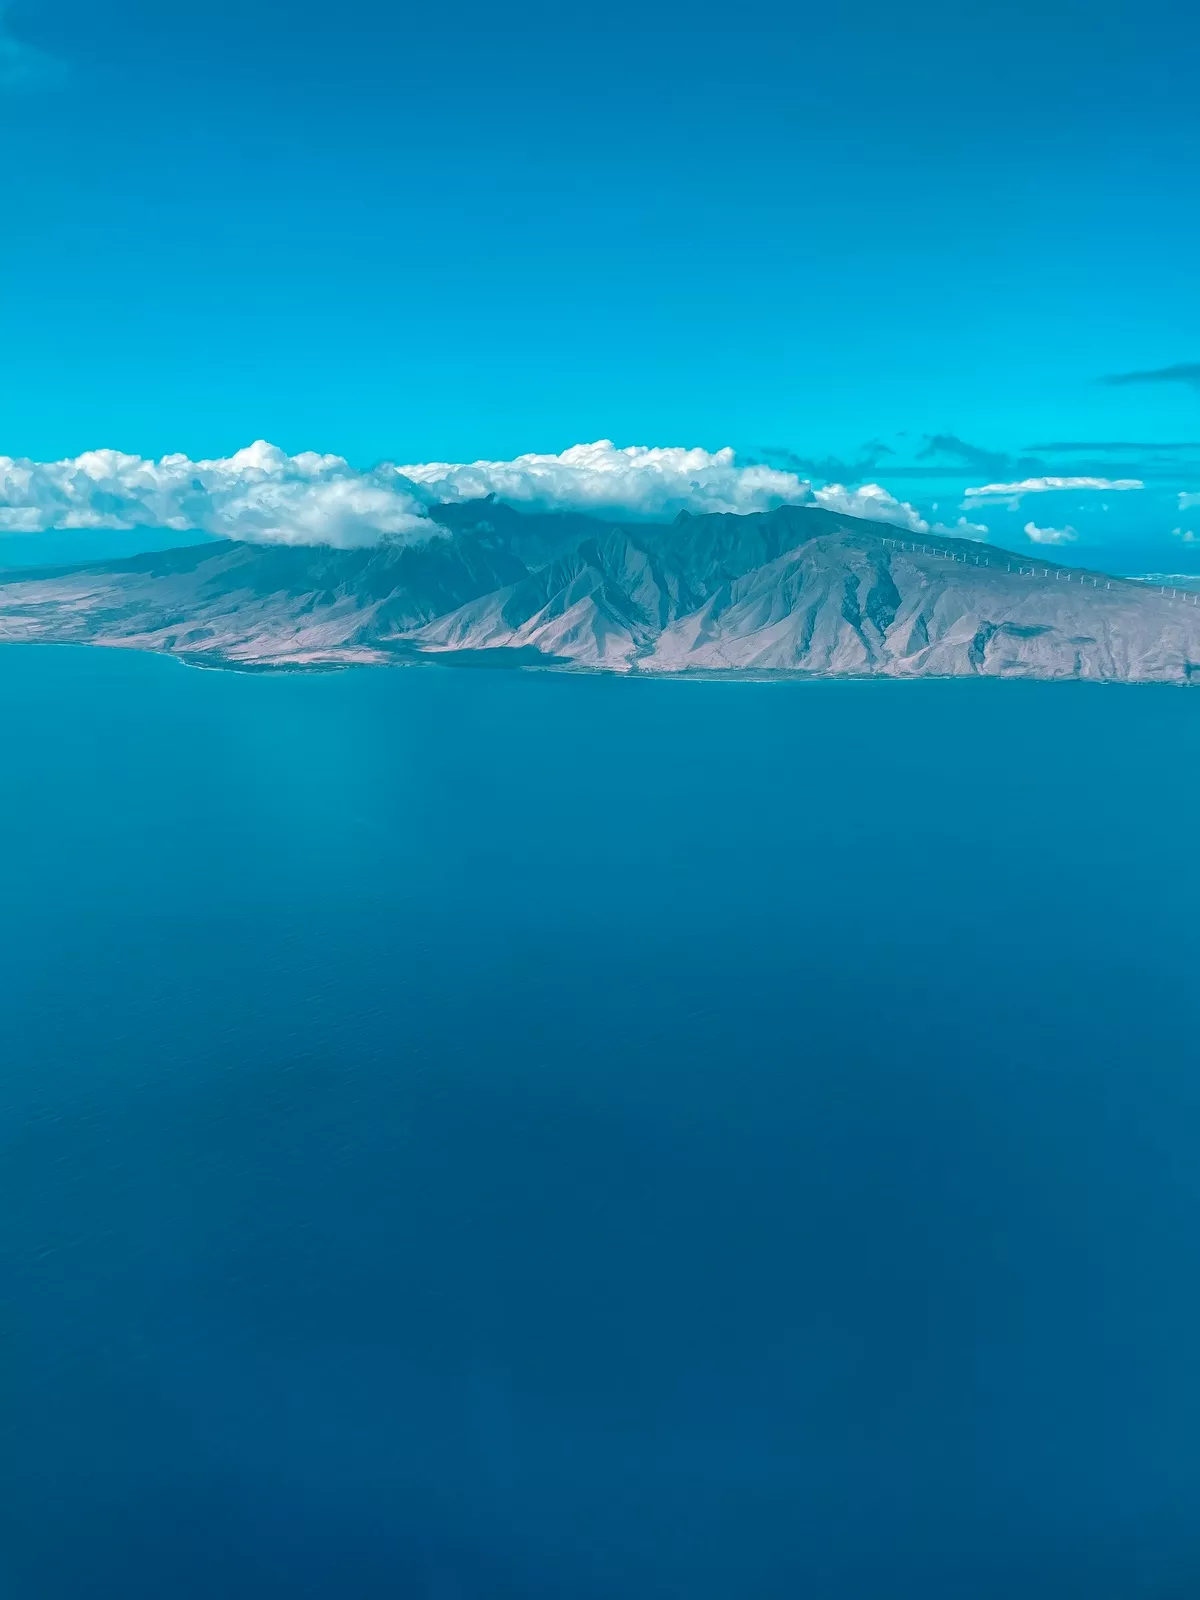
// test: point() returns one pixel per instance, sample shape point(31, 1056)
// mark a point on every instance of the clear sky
point(476, 229)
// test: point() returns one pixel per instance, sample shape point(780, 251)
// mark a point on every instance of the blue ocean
point(484, 1135)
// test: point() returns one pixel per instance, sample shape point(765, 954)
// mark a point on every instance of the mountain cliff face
point(798, 590)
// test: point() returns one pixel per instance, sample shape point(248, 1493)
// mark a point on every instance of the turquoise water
point(475, 1134)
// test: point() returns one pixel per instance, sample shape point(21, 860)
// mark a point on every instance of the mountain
point(799, 590)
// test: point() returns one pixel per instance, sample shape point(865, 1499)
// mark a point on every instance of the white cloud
point(1185, 534)
point(648, 481)
point(1187, 501)
point(962, 529)
point(1012, 492)
point(260, 494)
point(872, 502)
point(1050, 535)
point(638, 481)
point(263, 495)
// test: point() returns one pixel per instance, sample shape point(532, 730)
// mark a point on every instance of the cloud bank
point(638, 480)
point(1014, 491)
point(1182, 372)
point(642, 481)
point(260, 494)
point(263, 495)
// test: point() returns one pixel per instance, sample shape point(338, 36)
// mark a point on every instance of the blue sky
point(835, 234)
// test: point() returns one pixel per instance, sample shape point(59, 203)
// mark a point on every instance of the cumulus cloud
point(642, 481)
point(259, 494)
point(1187, 501)
point(1013, 491)
point(962, 529)
point(638, 480)
point(263, 495)
point(872, 502)
point(1050, 535)
point(1185, 534)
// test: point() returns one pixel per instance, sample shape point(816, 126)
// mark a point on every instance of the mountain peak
point(801, 591)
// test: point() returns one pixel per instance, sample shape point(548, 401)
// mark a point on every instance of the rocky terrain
point(799, 590)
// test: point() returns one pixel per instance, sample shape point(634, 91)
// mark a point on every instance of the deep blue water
point(470, 1134)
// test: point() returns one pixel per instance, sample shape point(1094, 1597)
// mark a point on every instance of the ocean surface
point(476, 1135)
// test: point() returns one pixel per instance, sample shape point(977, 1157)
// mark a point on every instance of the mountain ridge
point(798, 591)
